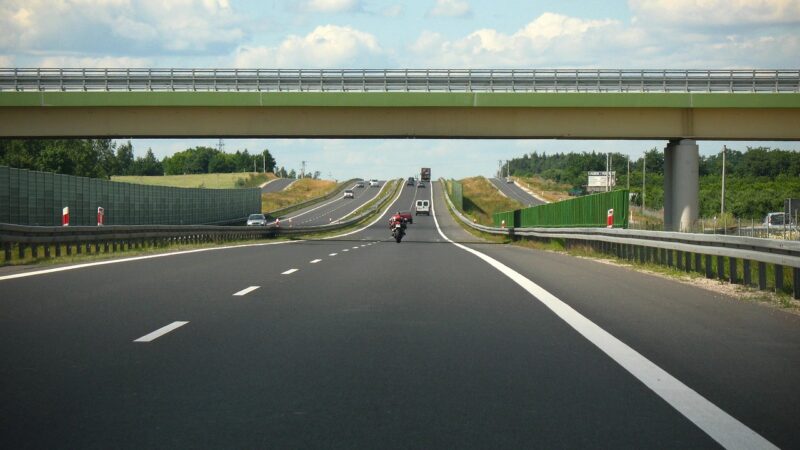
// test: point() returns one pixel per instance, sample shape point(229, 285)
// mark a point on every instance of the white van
point(422, 207)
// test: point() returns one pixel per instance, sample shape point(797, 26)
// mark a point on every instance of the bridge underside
point(401, 122)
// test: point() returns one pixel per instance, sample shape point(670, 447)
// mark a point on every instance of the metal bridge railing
point(398, 80)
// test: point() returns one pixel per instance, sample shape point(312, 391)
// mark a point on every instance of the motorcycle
point(398, 232)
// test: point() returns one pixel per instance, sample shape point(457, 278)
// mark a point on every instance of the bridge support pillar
point(681, 184)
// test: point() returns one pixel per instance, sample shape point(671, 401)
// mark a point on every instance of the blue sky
point(717, 34)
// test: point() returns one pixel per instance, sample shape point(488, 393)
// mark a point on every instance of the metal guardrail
point(686, 251)
point(54, 241)
point(397, 80)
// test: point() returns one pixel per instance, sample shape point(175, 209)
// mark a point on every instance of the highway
point(277, 185)
point(335, 209)
point(514, 192)
point(360, 342)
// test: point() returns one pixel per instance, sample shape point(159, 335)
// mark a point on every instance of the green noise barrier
point(581, 212)
point(37, 198)
point(456, 192)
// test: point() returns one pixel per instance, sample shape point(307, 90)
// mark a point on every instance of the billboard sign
point(601, 180)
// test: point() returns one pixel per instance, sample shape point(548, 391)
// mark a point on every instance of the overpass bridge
point(680, 107)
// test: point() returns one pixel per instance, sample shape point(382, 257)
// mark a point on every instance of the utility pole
point(264, 164)
point(722, 200)
point(508, 168)
point(500, 168)
point(629, 173)
point(644, 168)
point(608, 173)
point(221, 145)
point(303, 169)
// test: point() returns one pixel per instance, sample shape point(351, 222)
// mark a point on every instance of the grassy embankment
point(482, 199)
point(300, 191)
point(202, 180)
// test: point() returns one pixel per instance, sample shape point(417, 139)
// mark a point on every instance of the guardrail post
point(734, 275)
point(698, 263)
point(669, 258)
point(58, 249)
point(680, 260)
point(105, 246)
point(34, 251)
point(97, 247)
point(21, 252)
point(688, 262)
point(748, 278)
point(796, 282)
point(762, 276)
point(69, 249)
point(46, 250)
point(662, 256)
point(721, 267)
point(778, 277)
point(78, 248)
point(7, 251)
point(709, 271)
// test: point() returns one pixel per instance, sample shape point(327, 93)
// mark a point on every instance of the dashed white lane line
point(719, 425)
point(290, 271)
point(314, 261)
point(332, 254)
point(355, 248)
point(345, 249)
point(246, 291)
point(160, 332)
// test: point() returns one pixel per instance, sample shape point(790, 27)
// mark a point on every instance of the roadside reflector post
point(277, 223)
point(503, 224)
point(65, 216)
point(100, 216)
point(610, 218)
point(290, 222)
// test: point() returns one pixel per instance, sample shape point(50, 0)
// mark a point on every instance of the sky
point(310, 34)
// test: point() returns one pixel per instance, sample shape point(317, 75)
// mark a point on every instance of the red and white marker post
point(100, 216)
point(65, 216)
point(610, 218)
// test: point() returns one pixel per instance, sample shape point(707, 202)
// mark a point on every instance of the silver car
point(258, 220)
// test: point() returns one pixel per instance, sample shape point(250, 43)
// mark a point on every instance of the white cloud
point(327, 46)
point(6, 61)
point(558, 41)
point(450, 8)
point(329, 6)
point(717, 12)
point(106, 26)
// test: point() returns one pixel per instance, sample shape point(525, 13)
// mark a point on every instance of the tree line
point(103, 158)
point(757, 179)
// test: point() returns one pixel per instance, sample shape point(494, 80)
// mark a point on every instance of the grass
point(482, 199)
point(201, 180)
point(300, 191)
point(546, 189)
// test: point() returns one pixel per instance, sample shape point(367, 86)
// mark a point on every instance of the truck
point(425, 174)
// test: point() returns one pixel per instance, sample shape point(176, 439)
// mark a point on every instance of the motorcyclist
point(397, 219)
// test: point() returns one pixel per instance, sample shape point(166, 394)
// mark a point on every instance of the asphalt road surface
point(512, 191)
point(277, 185)
point(360, 342)
point(332, 210)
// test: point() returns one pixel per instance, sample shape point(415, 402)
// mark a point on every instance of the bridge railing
point(397, 80)
point(731, 258)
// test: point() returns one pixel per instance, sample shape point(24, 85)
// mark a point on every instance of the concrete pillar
point(681, 184)
point(685, 185)
point(669, 152)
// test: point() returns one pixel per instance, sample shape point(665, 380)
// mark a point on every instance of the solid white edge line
point(160, 332)
point(137, 258)
point(289, 272)
point(314, 261)
point(246, 291)
point(380, 216)
point(719, 425)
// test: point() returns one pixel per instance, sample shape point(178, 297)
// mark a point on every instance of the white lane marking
point(314, 261)
point(355, 248)
point(719, 425)
point(345, 249)
point(138, 258)
point(332, 254)
point(362, 246)
point(363, 203)
point(289, 272)
point(160, 332)
point(246, 291)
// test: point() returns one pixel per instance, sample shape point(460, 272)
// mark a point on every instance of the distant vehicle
point(373, 183)
point(509, 180)
point(359, 184)
point(421, 184)
point(410, 181)
point(348, 193)
point(774, 219)
point(256, 220)
point(425, 174)
point(422, 207)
